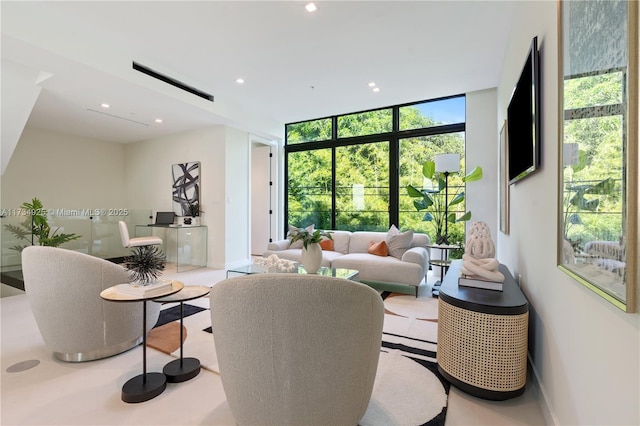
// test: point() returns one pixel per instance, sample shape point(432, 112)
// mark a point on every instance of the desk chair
point(138, 241)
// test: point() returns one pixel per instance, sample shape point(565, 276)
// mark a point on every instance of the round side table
point(183, 369)
point(145, 386)
point(443, 263)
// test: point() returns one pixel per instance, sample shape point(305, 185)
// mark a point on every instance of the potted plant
point(194, 209)
point(439, 204)
point(35, 229)
point(193, 214)
point(438, 207)
point(311, 251)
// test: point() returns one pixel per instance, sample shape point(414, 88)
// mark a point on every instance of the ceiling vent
point(117, 116)
point(172, 81)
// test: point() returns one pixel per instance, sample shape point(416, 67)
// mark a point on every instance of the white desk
point(184, 245)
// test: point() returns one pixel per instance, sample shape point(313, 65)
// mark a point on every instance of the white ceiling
point(297, 65)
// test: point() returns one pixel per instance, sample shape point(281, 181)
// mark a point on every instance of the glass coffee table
point(349, 274)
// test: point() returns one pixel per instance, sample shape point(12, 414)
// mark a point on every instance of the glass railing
point(97, 228)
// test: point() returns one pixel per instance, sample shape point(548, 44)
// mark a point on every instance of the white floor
point(58, 393)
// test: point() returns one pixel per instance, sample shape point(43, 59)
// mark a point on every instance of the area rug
point(408, 389)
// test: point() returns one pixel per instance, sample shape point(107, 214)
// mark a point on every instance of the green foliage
point(362, 182)
point(365, 123)
point(308, 131)
point(438, 204)
point(36, 226)
point(414, 152)
point(362, 175)
point(593, 194)
point(412, 118)
point(601, 89)
point(309, 237)
point(586, 198)
point(194, 209)
point(309, 188)
point(456, 238)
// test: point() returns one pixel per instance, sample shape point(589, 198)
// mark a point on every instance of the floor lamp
point(447, 164)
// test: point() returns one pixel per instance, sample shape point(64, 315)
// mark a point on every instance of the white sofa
point(607, 255)
point(350, 251)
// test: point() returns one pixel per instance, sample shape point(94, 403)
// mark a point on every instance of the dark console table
point(482, 337)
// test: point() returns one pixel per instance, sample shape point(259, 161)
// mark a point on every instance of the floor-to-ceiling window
point(350, 172)
point(413, 152)
point(362, 186)
point(310, 187)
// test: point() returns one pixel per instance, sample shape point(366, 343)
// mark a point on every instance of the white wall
point(64, 172)
point(260, 197)
point(68, 172)
point(20, 89)
point(584, 350)
point(149, 177)
point(481, 146)
point(223, 154)
point(237, 213)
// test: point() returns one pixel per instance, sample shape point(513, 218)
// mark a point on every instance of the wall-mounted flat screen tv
point(523, 117)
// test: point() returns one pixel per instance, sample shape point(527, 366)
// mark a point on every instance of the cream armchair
point(296, 349)
point(63, 288)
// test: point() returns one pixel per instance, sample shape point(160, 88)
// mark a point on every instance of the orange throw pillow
point(379, 249)
point(326, 245)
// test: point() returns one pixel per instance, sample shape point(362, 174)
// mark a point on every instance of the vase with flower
point(311, 250)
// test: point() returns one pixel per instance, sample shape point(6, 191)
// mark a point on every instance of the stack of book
point(473, 281)
point(149, 290)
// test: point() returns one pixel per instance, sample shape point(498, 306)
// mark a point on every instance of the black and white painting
point(186, 188)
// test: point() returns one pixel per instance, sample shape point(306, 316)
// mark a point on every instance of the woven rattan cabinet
point(482, 337)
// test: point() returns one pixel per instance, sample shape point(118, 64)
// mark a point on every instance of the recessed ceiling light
point(311, 7)
point(372, 84)
point(105, 105)
point(376, 89)
point(240, 80)
point(158, 120)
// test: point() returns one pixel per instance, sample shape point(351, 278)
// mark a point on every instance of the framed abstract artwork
point(186, 188)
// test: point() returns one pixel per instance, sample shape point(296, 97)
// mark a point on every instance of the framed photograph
point(504, 181)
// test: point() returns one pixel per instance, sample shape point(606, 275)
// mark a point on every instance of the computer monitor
point(165, 218)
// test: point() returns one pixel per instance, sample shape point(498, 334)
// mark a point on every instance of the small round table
point(145, 386)
point(183, 369)
point(443, 263)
